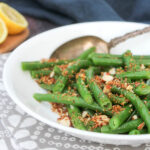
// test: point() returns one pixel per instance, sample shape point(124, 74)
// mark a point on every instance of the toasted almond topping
point(140, 127)
point(65, 121)
point(116, 108)
point(106, 89)
point(134, 117)
point(71, 63)
point(112, 71)
point(84, 114)
point(47, 80)
point(107, 77)
point(129, 88)
point(142, 66)
point(52, 74)
point(100, 120)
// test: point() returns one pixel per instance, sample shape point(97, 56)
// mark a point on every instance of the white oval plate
point(21, 87)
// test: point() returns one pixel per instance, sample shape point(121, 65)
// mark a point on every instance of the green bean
point(118, 100)
point(107, 62)
point(100, 97)
point(130, 62)
point(145, 62)
point(83, 90)
point(85, 54)
point(127, 60)
point(60, 84)
point(141, 57)
point(98, 129)
point(91, 71)
point(48, 87)
point(142, 89)
point(119, 118)
point(115, 62)
point(39, 73)
point(35, 65)
point(143, 131)
point(73, 85)
point(105, 129)
point(134, 132)
point(135, 75)
point(106, 55)
point(72, 100)
point(91, 55)
point(74, 67)
point(57, 70)
point(124, 128)
point(75, 116)
point(139, 105)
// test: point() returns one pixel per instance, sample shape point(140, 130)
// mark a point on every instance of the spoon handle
point(127, 36)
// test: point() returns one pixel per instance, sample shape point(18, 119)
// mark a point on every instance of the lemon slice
point(14, 21)
point(3, 31)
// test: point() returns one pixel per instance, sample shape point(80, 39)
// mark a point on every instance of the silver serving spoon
point(75, 47)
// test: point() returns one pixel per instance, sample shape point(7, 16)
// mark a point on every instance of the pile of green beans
point(102, 92)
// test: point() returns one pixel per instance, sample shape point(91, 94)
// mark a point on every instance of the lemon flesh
point(14, 21)
point(3, 31)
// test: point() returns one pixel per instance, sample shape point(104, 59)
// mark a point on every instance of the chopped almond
point(112, 71)
point(142, 66)
point(52, 74)
point(100, 120)
point(134, 117)
point(107, 77)
point(46, 80)
point(129, 88)
point(65, 121)
point(107, 89)
point(84, 114)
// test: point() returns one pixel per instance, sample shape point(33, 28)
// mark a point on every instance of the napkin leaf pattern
point(20, 131)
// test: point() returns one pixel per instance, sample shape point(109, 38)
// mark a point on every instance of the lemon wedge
point(3, 31)
point(14, 21)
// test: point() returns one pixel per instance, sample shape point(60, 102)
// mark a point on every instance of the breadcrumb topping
point(140, 127)
point(46, 80)
point(106, 77)
point(100, 120)
point(117, 108)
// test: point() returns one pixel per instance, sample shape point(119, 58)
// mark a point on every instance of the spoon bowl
point(75, 47)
